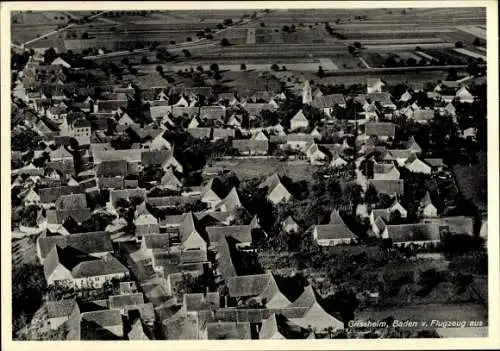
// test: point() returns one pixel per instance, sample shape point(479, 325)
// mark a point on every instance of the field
point(258, 38)
point(252, 168)
point(472, 181)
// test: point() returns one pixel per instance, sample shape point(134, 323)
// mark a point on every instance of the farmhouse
point(299, 121)
point(262, 288)
point(333, 234)
point(327, 103)
point(414, 165)
point(428, 208)
point(381, 130)
point(374, 85)
point(276, 191)
point(389, 187)
point(74, 268)
point(299, 141)
point(416, 234)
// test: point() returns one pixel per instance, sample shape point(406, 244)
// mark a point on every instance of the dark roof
point(328, 101)
point(380, 129)
point(48, 195)
point(155, 158)
point(202, 301)
point(61, 308)
point(249, 285)
point(111, 105)
point(112, 168)
point(241, 233)
point(200, 133)
point(414, 232)
point(423, 115)
point(334, 231)
point(156, 241)
point(434, 162)
point(389, 187)
point(104, 318)
point(171, 201)
point(71, 202)
point(81, 123)
point(95, 242)
point(120, 301)
point(228, 330)
point(213, 112)
point(105, 266)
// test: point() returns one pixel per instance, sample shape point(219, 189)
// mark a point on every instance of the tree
point(371, 195)
point(228, 22)
point(159, 69)
point(452, 74)
point(357, 45)
point(285, 29)
point(477, 42)
point(186, 53)
point(214, 67)
point(85, 35)
point(49, 55)
point(275, 67)
point(243, 67)
point(29, 217)
point(28, 287)
point(189, 39)
point(225, 42)
point(320, 73)
point(459, 44)
point(262, 24)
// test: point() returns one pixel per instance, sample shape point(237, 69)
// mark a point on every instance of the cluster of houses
point(175, 246)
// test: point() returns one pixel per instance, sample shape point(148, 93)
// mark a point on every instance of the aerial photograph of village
point(249, 174)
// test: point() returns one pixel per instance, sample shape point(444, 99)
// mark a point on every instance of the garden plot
point(474, 30)
point(470, 53)
point(397, 47)
point(405, 55)
point(267, 36)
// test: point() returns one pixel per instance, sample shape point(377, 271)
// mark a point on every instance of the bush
point(85, 35)
point(477, 42)
point(224, 42)
point(189, 39)
point(275, 67)
point(243, 67)
point(262, 24)
point(459, 44)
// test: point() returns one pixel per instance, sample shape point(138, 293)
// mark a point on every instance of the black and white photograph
point(249, 174)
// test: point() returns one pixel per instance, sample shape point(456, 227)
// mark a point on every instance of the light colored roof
point(231, 201)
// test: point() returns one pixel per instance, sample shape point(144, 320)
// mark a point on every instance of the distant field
point(252, 168)
point(472, 181)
